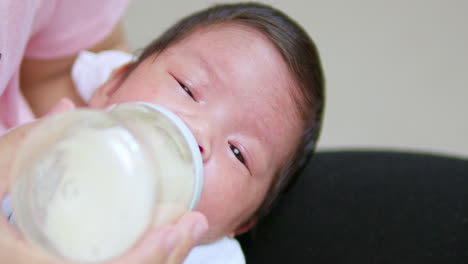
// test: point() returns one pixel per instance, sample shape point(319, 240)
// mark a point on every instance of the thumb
point(168, 244)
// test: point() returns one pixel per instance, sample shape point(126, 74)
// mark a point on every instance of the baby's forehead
point(241, 54)
point(230, 45)
point(225, 34)
point(248, 69)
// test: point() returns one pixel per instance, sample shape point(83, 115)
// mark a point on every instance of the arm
point(44, 82)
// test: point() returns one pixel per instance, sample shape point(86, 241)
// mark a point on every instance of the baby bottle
point(89, 183)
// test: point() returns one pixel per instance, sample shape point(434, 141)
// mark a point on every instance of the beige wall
point(397, 71)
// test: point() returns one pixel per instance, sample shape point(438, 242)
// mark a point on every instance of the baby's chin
point(211, 237)
point(216, 231)
point(94, 104)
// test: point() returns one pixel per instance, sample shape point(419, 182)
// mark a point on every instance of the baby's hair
point(300, 56)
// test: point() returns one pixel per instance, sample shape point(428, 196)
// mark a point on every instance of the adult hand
point(164, 245)
point(10, 142)
point(168, 244)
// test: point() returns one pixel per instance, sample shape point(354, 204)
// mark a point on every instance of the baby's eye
point(187, 90)
point(237, 153)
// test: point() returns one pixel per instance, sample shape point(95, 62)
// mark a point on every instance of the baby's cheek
point(214, 204)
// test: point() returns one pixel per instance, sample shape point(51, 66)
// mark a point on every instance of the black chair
point(368, 207)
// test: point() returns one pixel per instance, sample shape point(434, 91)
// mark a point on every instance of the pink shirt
point(46, 29)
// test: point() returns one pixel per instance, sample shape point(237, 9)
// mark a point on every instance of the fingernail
point(200, 228)
point(63, 105)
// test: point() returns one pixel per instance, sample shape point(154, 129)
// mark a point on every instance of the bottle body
point(89, 183)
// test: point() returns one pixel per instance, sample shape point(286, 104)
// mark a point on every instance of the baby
point(247, 81)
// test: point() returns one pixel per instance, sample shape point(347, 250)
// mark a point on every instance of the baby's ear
point(102, 94)
point(246, 226)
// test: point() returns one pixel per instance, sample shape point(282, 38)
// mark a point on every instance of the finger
point(9, 144)
point(63, 105)
point(154, 248)
point(13, 136)
point(168, 244)
point(11, 140)
point(14, 249)
point(7, 230)
point(192, 226)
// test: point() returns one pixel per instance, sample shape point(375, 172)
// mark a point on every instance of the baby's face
point(233, 90)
